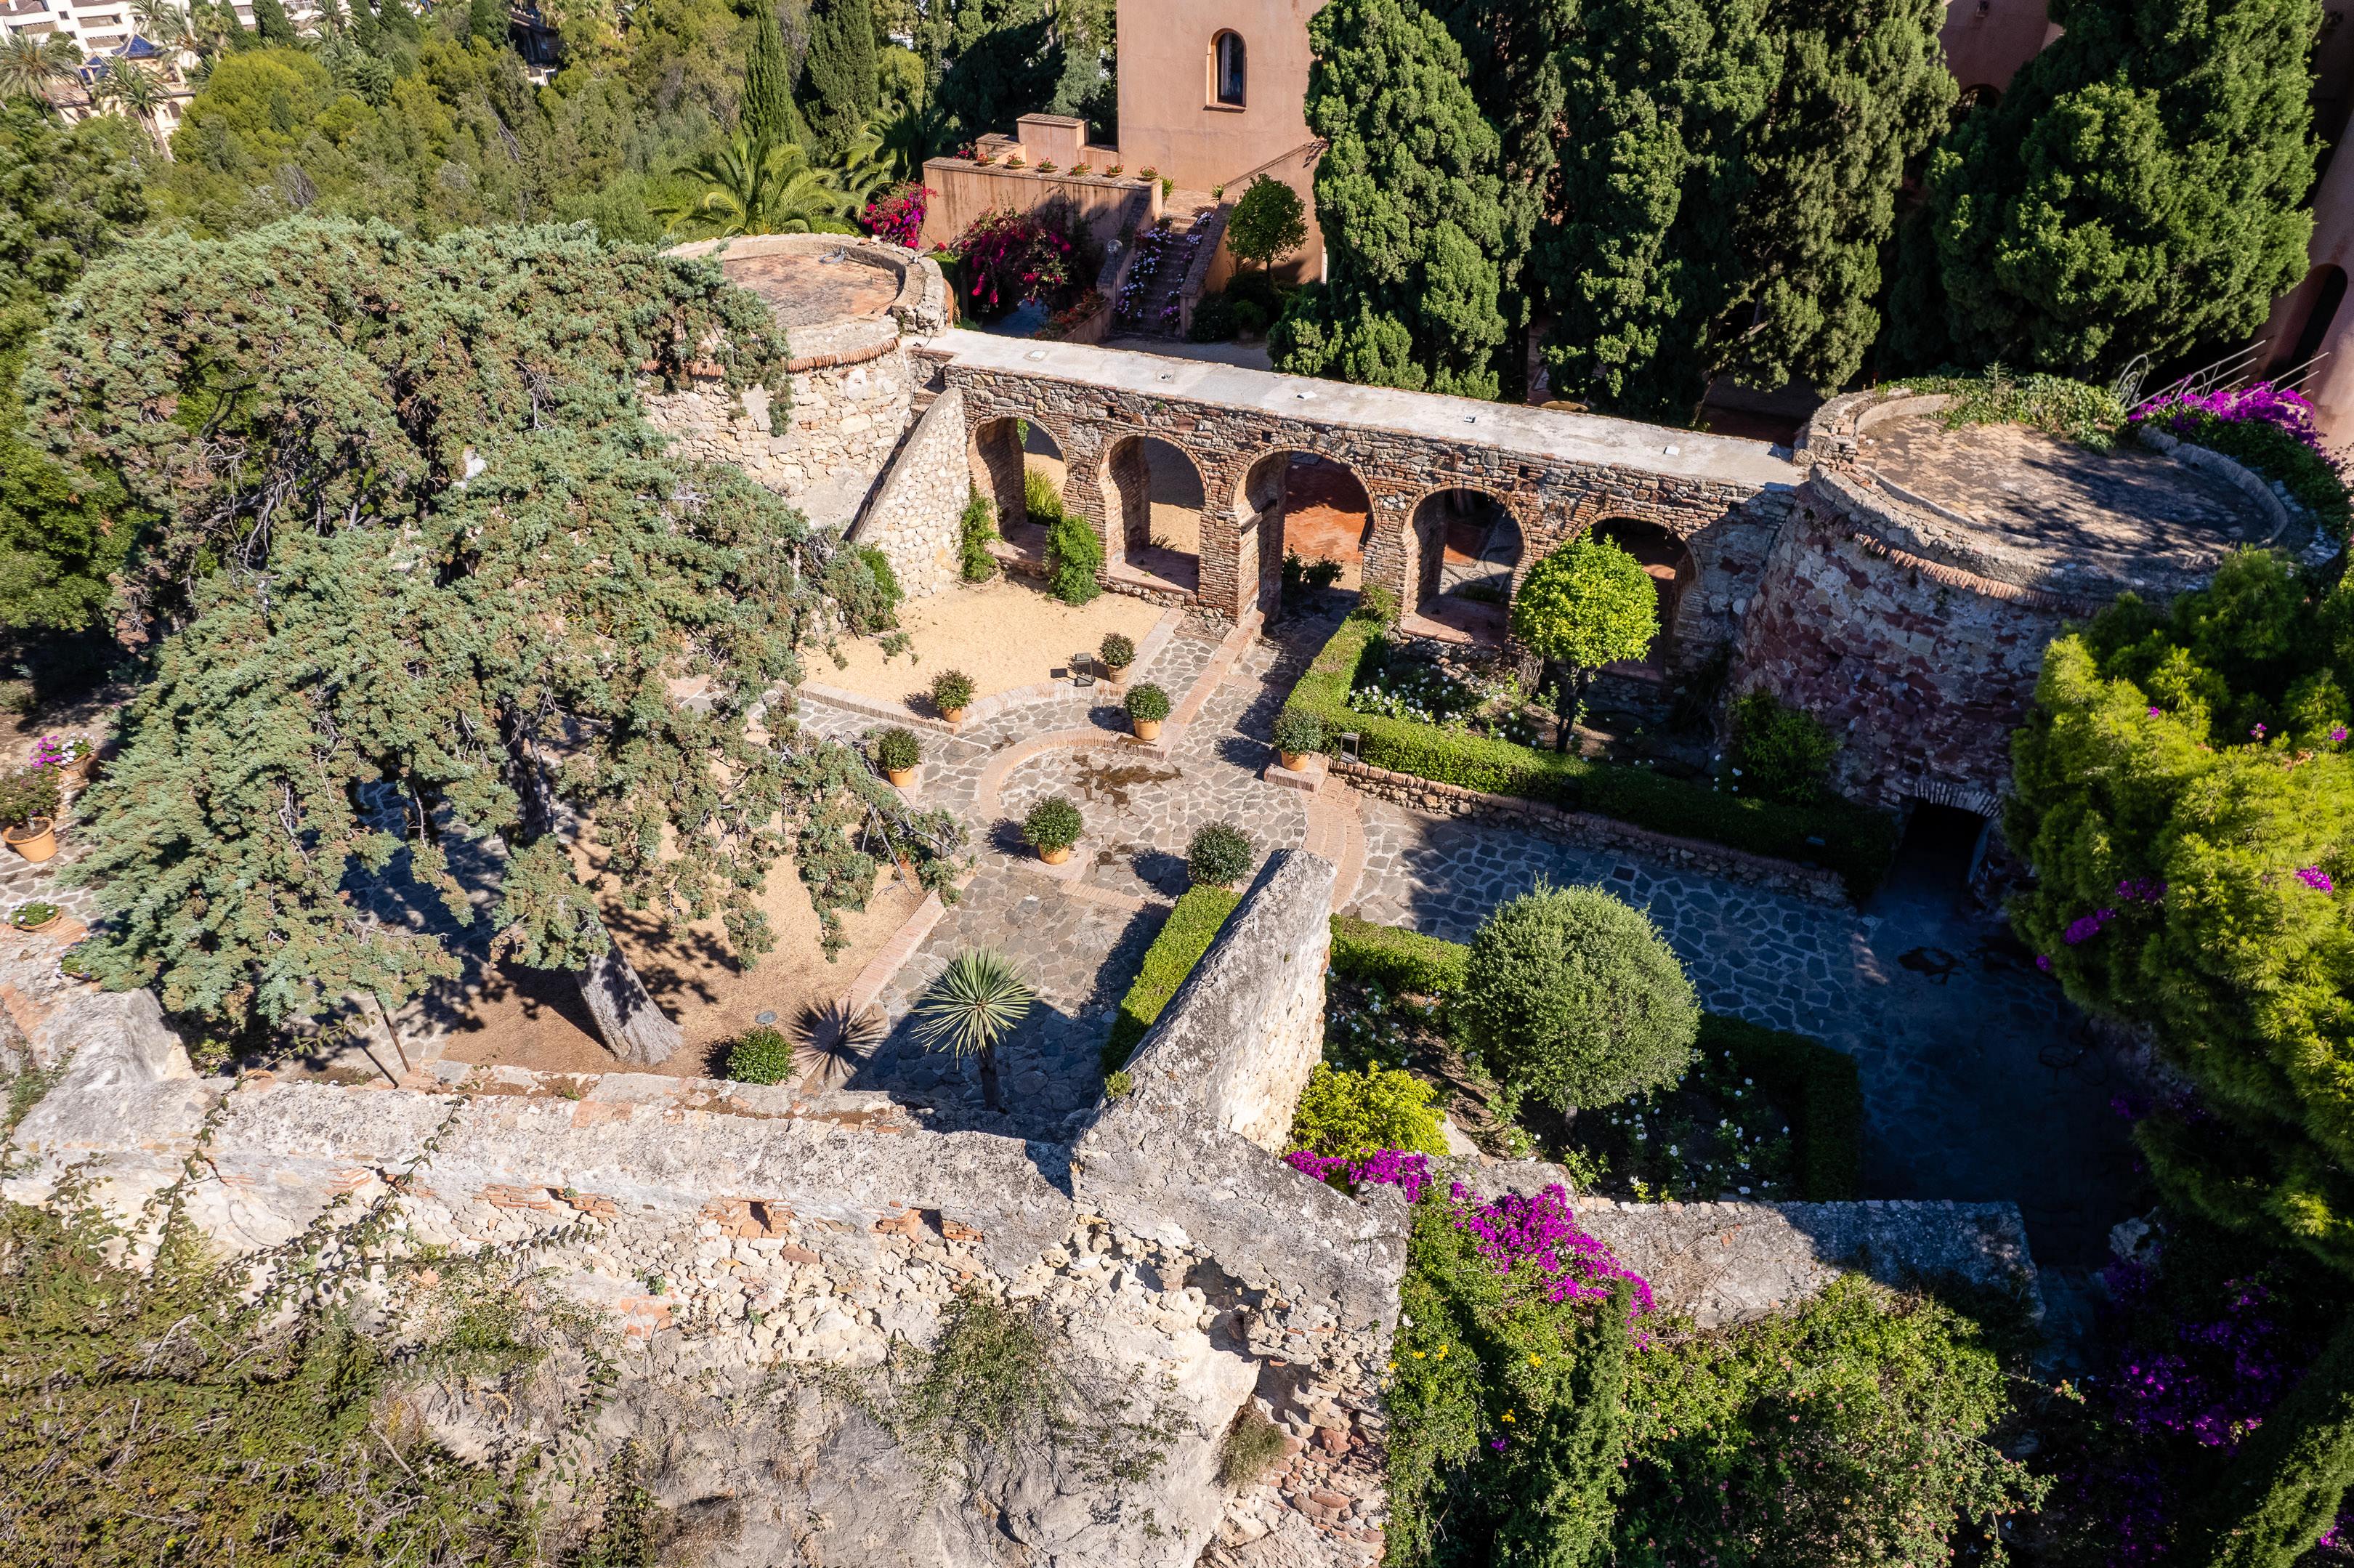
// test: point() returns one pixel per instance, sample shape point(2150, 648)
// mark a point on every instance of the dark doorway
point(1936, 857)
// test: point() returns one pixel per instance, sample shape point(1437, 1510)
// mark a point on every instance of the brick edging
point(1586, 827)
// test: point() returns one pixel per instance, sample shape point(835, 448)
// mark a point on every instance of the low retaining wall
point(916, 517)
point(1585, 828)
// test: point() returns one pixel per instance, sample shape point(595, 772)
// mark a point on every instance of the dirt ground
point(533, 1019)
point(1003, 633)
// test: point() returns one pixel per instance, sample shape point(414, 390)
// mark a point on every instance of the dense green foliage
point(2138, 189)
point(842, 84)
point(72, 194)
point(1409, 197)
point(468, 406)
point(896, 749)
point(155, 1415)
point(1399, 960)
point(976, 532)
point(761, 1055)
point(1850, 1433)
point(1347, 1115)
point(2185, 795)
point(1075, 559)
point(2290, 1479)
point(1053, 823)
point(1575, 998)
point(1855, 841)
point(1588, 604)
point(1508, 1411)
point(1220, 854)
point(1146, 703)
point(1193, 924)
point(1779, 751)
point(1269, 223)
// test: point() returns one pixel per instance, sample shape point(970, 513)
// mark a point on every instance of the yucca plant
point(971, 1007)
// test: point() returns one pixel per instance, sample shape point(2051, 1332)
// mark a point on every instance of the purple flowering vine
point(2261, 404)
point(1515, 1228)
point(1409, 1173)
point(2086, 928)
point(2312, 877)
point(2142, 890)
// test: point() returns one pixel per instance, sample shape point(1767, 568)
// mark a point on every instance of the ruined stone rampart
point(916, 516)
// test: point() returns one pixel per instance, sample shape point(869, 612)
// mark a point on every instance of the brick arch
point(1426, 531)
point(1258, 482)
point(1122, 490)
point(994, 451)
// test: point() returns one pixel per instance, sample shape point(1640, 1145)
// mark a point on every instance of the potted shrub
point(1118, 654)
point(1219, 856)
point(1296, 735)
point(35, 915)
point(1051, 827)
point(28, 810)
point(72, 965)
point(951, 694)
point(1146, 706)
point(897, 752)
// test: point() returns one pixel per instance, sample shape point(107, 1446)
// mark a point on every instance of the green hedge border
point(1856, 841)
point(1820, 1086)
point(1187, 934)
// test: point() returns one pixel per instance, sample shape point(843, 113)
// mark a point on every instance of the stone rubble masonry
point(1558, 474)
point(916, 517)
point(1729, 1263)
point(1584, 828)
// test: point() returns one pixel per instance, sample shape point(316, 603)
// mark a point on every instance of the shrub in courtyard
point(1075, 558)
point(1053, 823)
point(861, 580)
point(971, 1009)
point(1780, 752)
point(761, 1055)
point(1576, 997)
point(976, 530)
point(1220, 855)
point(1118, 652)
point(1147, 704)
point(1347, 1115)
point(1298, 733)
point(1040, 500)
point(1376, 604)
point(898, 750)
point(952, 691)
point(1586, 605)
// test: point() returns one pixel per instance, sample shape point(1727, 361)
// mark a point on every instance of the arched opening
point(1013, 461)
point(1669, 565)
point(1153, 504)
point(1299, 503)
point(1467, 550)
point(1973, 99)
point(1229, 71)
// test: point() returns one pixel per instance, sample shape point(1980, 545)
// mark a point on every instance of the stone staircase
point(1151, 303)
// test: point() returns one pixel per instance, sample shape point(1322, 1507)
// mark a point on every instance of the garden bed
point(1778, 1114)
point(1854, 840)
point(1004, 633)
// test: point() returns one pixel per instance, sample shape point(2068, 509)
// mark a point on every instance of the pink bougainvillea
point(897, 217)
point(2262, 403)
point(1007, 258)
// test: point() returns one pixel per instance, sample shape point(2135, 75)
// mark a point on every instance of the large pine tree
point(839, 84)
point(2137, 191)
point(1659, 97)
point(435, 618)
point(1861, 90)
point(1410, 198)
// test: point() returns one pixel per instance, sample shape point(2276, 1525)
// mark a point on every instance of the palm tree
point(910, 135)
point(138, 92)
point(971, 1007)
point(867, 172)
point(30, 67)
point(163, 23)
point(751, 187)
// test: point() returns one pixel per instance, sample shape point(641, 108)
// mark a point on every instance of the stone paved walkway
point(1979, 1081)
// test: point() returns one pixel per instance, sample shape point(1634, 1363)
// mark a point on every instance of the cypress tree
point(233, 28)
point(1862, 90)
point(1086, 34)
point(1659, 97)
point(399, 23)
point(839, 80)
point(2136, 192)
point(997, 61)
point(271, 22)
point(454, 573)
point(767, 114)
point(1410, 198)
point(487, 20)
point(365, 30)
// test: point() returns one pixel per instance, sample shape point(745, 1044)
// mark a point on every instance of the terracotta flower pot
point(55, 917)
point(1147, 729)
point(1055, 857)
point(36, 841)
point(954, 715)
point(1292, 761)
point(1116, 673)
point(901, 777)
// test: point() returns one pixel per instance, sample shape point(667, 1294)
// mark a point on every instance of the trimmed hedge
point(1856, 841)
point(1818, 1085)
point(1192, 927)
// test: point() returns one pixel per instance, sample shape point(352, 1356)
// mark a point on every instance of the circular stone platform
point(2025, 507)
point(807, 290)
point(841, 298)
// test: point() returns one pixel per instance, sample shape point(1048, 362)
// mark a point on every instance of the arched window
point(1230, 70)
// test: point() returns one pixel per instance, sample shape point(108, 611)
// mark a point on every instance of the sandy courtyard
point(1003, 633)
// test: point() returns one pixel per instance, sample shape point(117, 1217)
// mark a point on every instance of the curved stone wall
point(1922, 668)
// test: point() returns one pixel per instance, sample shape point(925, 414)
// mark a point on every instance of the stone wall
point(916, 516)
point(846, 421)
point(1922, 668)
